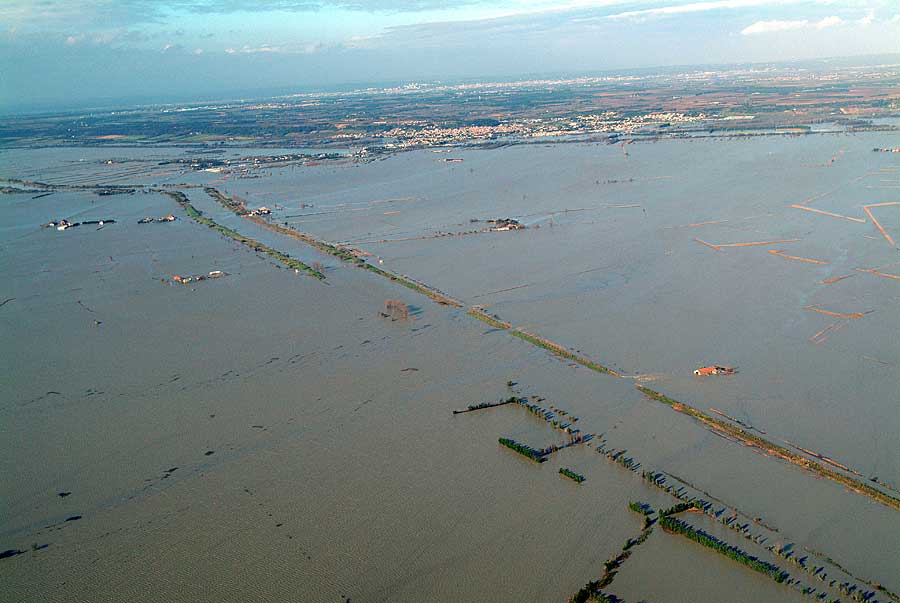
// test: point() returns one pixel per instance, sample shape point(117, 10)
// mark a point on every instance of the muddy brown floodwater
point(268, 436)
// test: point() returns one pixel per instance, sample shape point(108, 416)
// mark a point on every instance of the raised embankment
point(781, 452)
point(533, 339)
point(341, 253)
point(198, 217)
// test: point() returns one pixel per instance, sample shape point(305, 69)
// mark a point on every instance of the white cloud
point(828, 22)
point(771, 26)
point(868, 19)
point(72, 40)
point(696, 7)
point(254, 49)
point(312, 48)
point(764, 27)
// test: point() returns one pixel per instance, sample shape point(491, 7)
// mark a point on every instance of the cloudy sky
point(58, 53)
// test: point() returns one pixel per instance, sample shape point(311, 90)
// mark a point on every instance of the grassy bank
point(561, 351)
point(229, 203)
point(434, 295)
point(548, 345)
point(485, 317)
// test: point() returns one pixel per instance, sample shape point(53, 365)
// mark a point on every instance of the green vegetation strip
point(561, 351)
point(230, 203)
point(677, 526)
point(441, 299)
point(774, 449)
point(198, 217)
point(575, 477)
point(485, 317)
point(344, 255)
point(548, 345)
point(522, 449)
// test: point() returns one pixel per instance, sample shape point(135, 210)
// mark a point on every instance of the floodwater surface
point(268, 436)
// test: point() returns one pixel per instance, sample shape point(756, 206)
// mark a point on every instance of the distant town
point(756, 100)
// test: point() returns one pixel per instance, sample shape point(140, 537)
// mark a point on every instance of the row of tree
point(575, 477)
point(522, 449)
point(677, 526)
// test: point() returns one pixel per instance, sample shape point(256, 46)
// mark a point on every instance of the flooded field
point(615, 268)
point(258, 434)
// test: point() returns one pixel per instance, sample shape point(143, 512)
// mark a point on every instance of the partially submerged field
point(274, 435)
point(613, 265)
